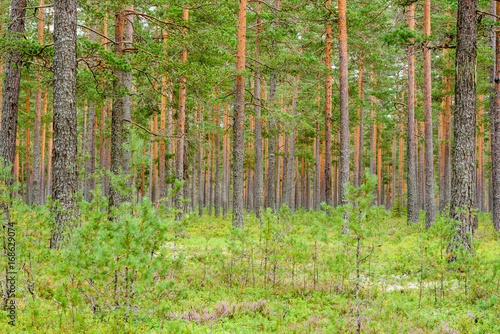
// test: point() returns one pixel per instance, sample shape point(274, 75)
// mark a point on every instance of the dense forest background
point(276, 166)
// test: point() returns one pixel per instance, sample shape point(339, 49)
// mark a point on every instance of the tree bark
point(328, 111)
point(179, 162)
point(344, 105)
point(258, 169)
point(37, 163)
point(290, 176)
point(430, 216)
point(463, 182)
point(127, 99)
point(239, 119)
point(495, 137)
point(411, 160)
point(117, 110)
point(12, 81)
point(64, 178)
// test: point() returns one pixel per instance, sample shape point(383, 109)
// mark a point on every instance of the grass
point(292, 273)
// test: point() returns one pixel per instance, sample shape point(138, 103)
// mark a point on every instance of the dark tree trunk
point(290, 176)
point(328, 113)
point(258, 170)
point(64, 173)
point(91, 161)
point(12, 80)
point(117, 111)
point(463, 183)
point(411, 164)
point(495, 138)
point(316, 182)
point(239, 119)
point(271, 148)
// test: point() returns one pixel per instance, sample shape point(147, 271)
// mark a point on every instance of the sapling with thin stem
point(359, 210)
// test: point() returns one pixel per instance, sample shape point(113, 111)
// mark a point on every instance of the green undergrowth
point(145, 272)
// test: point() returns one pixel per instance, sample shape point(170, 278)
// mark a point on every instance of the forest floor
point(287, 274)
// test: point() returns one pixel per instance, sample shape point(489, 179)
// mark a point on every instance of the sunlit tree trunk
point(344, 107)
point(429, 150)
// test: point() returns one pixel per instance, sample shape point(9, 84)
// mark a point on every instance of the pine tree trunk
point(42, 158)
point(271, 148)
point(411, 160)
point(258, 171)
point(239, 119)
point(430, 217)
point(316, 186)
point(37, 196)
point(328, 112)
point(185, 165)
point(127, 99)
point(179, 162)
point(217, 169)
point(344, 105)
point(361, 95)
point(170, 166)
point(290, 181)
point(463, 163)
point(12, 81)
point(492, 99)
point(64, 174)
point(495, 137)
point(28, 162)
point(117, 110)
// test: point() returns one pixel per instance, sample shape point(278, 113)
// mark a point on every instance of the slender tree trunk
point(430, 217)
point(42, 158)
point(217, 168)
point(170, 112)
point(127, 100)
point(492, 100)
point(239, 118)
point(464, 145)
point(258, 171)
point(37, 163)
point(290, 182)
point(27, 197)
point(480, 156)
point(185, 165)
point(271, 148)
point(200, 165)
point(316, 186)
point(28, 162)
point(495, 136)
point(64, 178)
point(328, 111)
point(361, 96)
point(344, 105)
point(411, 160)
point(163, 125)
point(117, 110)
point(181, 119)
